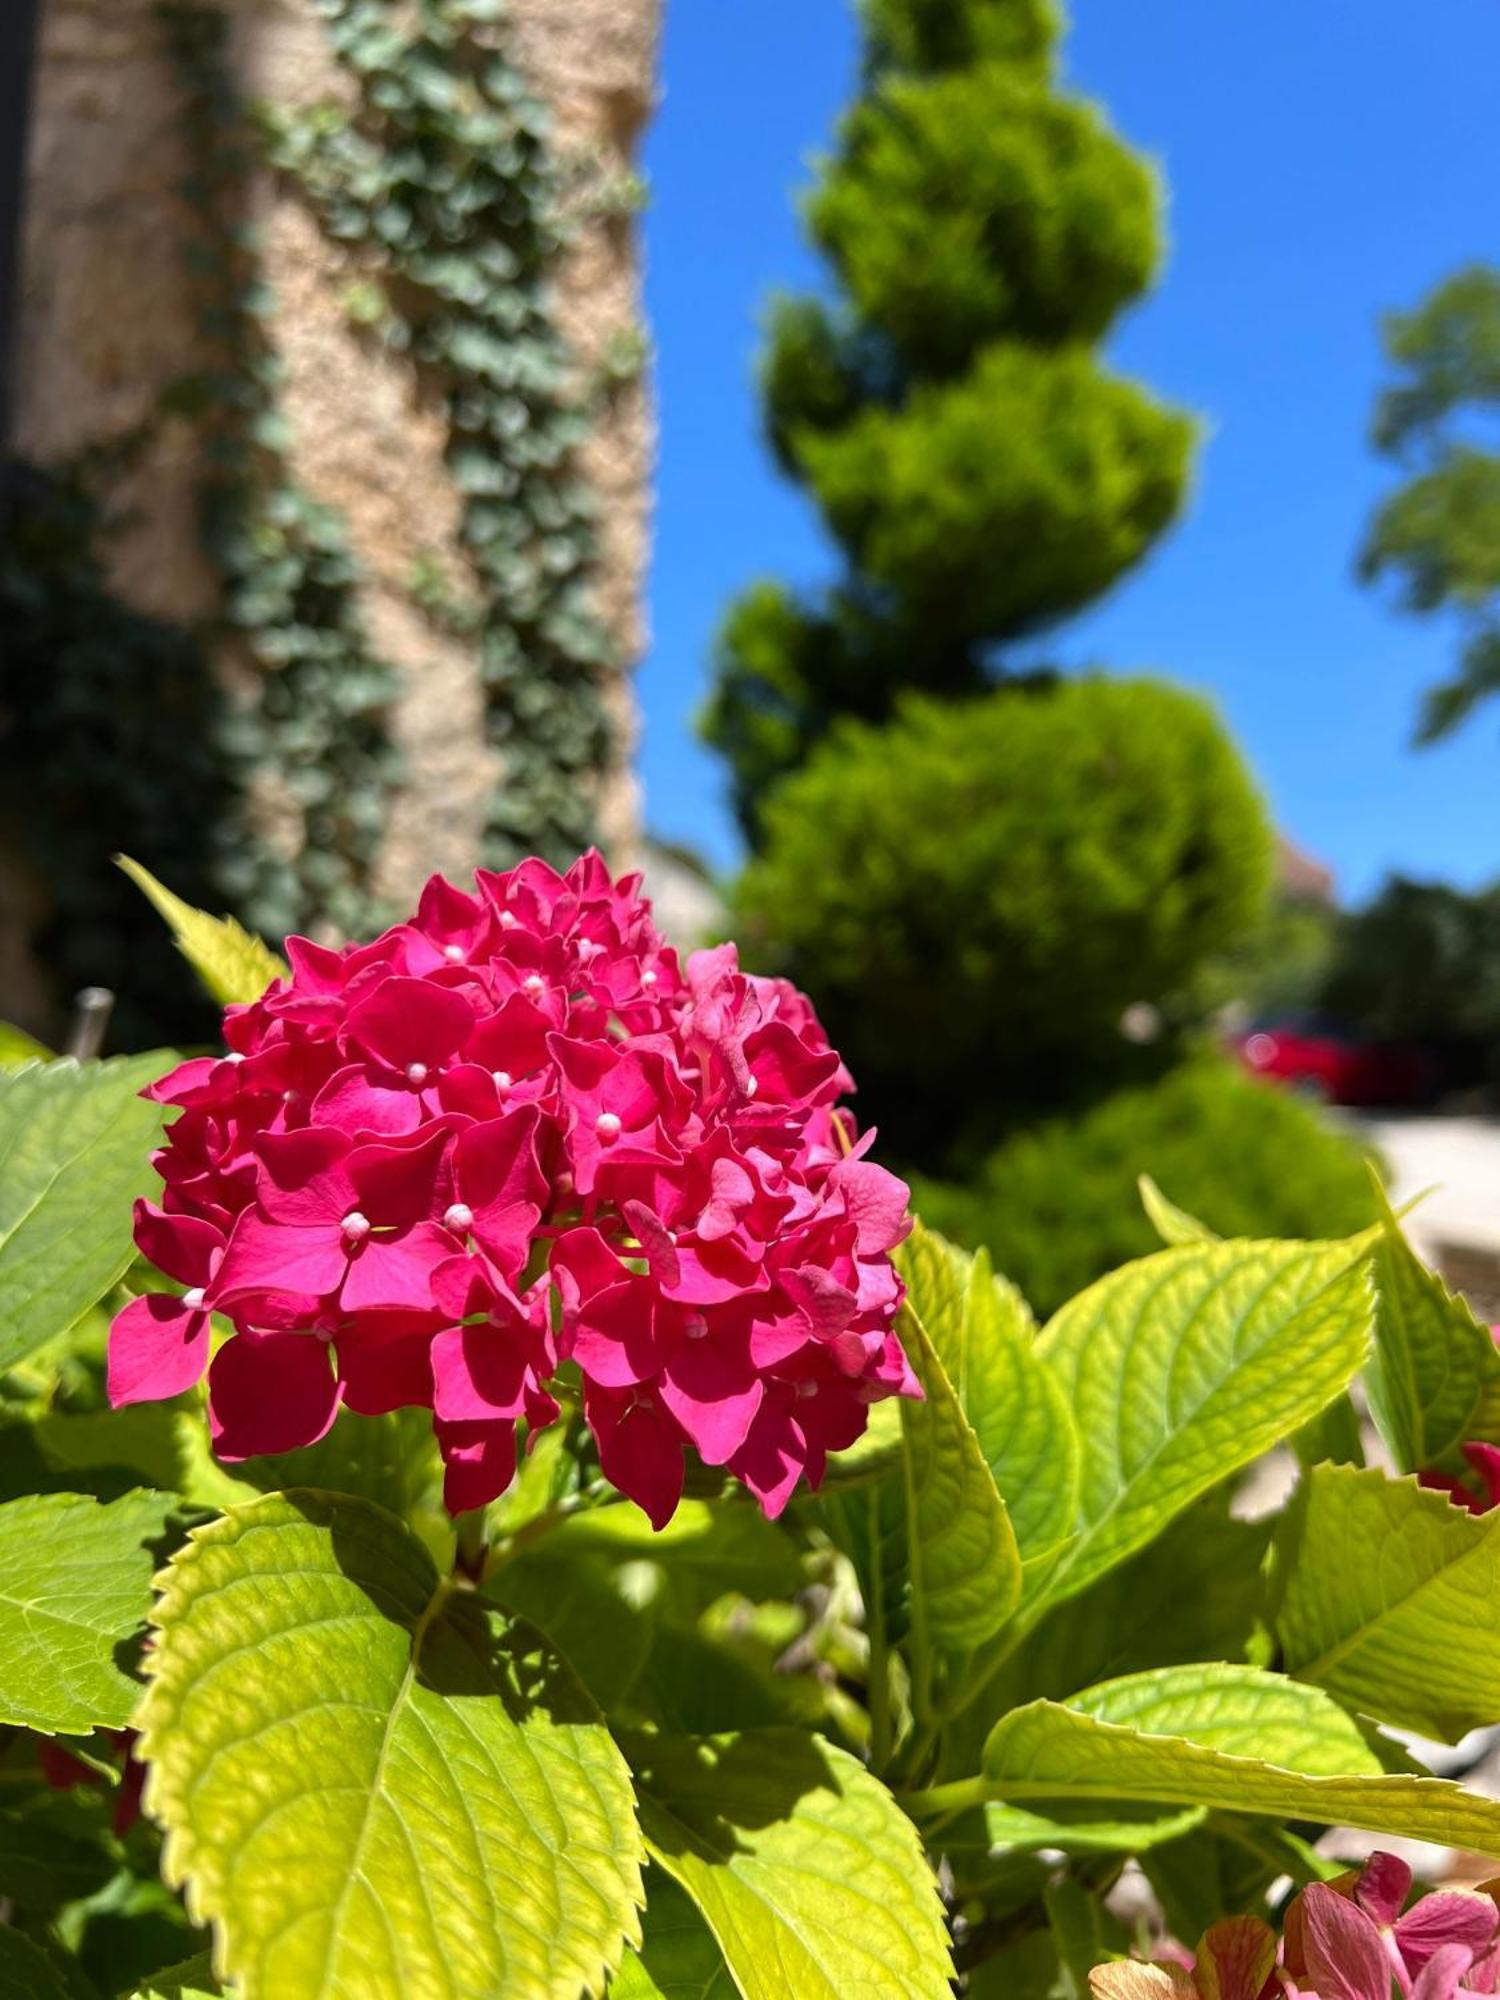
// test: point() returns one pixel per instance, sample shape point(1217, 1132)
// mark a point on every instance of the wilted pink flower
point(513, 1133)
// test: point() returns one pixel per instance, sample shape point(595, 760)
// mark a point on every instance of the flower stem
point(472, 1530)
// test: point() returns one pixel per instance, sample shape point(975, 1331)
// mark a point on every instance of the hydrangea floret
point(512, 1148)
point(1350, 1939)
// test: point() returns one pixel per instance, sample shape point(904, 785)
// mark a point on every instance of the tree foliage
point(978, 902)
point(982, 471)
point(1437, 536)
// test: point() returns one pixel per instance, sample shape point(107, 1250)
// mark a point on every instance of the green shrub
point(929, 212)
point(1058, 1206)
point(974, 893)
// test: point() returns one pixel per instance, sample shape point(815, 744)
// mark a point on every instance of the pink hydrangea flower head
point(514, 1133)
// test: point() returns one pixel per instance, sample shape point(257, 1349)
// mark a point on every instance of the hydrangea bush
point(498, 1497)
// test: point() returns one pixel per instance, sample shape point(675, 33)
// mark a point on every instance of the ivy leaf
point(75, 1589)
point(32, 1971)
point(1434, 1382)
point(1172, 1224)
point(1389, 1597)
point(75, 1145)
point(1235, 1739)
point(806, 1871)
point(984, 1335)
point(234, 965)
point(372, 1781)
point(678, 1959)
point(1186, 1365)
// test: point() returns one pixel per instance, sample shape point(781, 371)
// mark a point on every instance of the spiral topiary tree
point(982, 471)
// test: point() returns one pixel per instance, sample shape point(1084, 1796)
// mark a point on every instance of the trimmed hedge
point(974, 893)
point(1058, 1205)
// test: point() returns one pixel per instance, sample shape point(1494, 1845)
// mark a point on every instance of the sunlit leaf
point(1232, 1738)
point(233, 965)
point(75, 1147)
point(807, 1873)
point(1186, 1365)
point(368, 1777)
point(75, 1589)
point(1389, 1597)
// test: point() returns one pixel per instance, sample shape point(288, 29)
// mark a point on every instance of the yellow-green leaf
point(964, 1567)
point(373, 1782)
point(1188, 1364)
point(808, 1874)
point(75, 1151)
point(1389, 1597)
point(1172, 1224)
point(75, 1589)
point(234, 965)
point(1434, 1381)
point(1231, 1738)
point(985, 1337)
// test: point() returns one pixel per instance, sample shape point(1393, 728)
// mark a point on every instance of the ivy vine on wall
point(310, 730)
point(438, 177)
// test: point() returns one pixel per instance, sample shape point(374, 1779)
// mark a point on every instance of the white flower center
point(416, 1073)
point(648, 979)
point(355, 1227)
point(501, 1078)
point(454, 953)
point(460, 1217)
point(607, 1125)
point(193, 1300)
point(532, 984)
point(507, 921)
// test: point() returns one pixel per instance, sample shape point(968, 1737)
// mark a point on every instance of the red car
point(1329, 1060)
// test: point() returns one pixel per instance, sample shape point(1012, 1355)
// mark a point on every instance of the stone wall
point(106, 325)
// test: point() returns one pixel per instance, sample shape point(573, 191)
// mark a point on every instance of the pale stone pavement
point(1459, 1160)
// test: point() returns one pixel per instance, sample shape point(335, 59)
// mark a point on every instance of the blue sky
point(1325, 161)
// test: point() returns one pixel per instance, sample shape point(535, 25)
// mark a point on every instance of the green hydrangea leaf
point(75, 1146)
point(192, 1980)
point(17, 1047)
point(1186, 1365)
point(44, 1864)
point(984, 1335)
point(75, 1589)
point(1389, 1597)
point(679, 1958)
point(372, 1781)
point(963, 1563)
point(1172, 1224)
point(1195, 1593)
point(1234, 1739)
point(234, 965)
point(31, 1971)
point(807, 1873)
point(1434, 1381)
